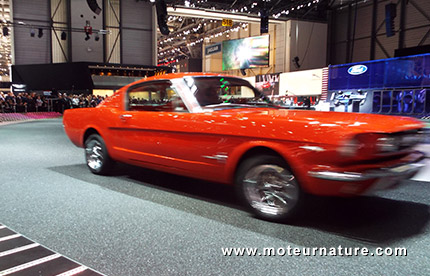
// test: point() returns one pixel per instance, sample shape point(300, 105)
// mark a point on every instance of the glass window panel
point(404, 72)
point(338, 78)
point(386, 101)
point(155, 97)
point(428, 100)
point(360, 81)
point(408, 101)
point(420, 98)
point(376, 102)
point(396, 102)
point(217, 90)
point(377, 74)
point(426, 71)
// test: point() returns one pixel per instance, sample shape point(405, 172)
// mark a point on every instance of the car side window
point(157, 96)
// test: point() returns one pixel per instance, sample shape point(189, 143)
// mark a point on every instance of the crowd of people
point(32, 102)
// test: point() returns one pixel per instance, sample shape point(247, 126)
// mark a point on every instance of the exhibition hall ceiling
point(274, 8)
point(192, 22)
point(187, 32)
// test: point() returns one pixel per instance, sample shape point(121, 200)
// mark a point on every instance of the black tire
point(268, 188)
point(97, 156)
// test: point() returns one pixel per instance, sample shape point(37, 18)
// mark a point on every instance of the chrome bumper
point(402, 170)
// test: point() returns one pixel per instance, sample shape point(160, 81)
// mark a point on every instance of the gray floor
point(141, 222)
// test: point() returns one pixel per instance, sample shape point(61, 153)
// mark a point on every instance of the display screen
point(245, 53)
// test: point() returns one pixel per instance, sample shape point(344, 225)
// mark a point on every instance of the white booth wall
point(301, 83)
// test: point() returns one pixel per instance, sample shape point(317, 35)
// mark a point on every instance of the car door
point(137, 129)
point(156, 130)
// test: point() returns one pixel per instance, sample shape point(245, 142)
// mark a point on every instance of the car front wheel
point(96, 155)
point(268, 187)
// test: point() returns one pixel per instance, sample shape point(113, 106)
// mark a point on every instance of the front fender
point(297, 155)
point(287, 151)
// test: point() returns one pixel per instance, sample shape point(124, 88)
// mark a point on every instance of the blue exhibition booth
point(398, 86)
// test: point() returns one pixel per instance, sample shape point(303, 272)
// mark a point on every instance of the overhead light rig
point(87, 30)
point(177, 44)
point(277, 9)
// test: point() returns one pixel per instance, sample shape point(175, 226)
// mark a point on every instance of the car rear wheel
point(96, 155)
point(268, 187)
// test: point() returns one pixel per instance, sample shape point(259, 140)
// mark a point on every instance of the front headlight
point(410, 140)
point(368, 144)
point(398, 141)
point(371, 144)
point(349, 148)
point(387, 144)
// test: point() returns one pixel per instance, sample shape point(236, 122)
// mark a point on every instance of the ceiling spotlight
point(40, 34)
point(32, 32)
point(63, 35)
point(97, 38)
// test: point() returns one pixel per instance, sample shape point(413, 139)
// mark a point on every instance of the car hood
point(315, 126)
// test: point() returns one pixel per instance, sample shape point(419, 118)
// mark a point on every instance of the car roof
point(170, 76)
point(180, 75)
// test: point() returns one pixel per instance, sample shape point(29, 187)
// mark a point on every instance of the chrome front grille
point(408, 139)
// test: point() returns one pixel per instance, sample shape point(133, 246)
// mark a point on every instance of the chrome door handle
point(125, 116)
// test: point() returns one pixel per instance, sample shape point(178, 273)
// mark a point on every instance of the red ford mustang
point(220, 128)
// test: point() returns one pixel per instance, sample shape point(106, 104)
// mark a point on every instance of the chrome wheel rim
point(94, 155)
point(271, 189)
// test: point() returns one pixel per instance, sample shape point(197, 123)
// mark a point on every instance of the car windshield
point(225, 92)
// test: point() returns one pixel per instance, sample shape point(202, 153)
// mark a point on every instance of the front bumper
point(363, 179)
point(400, 171)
